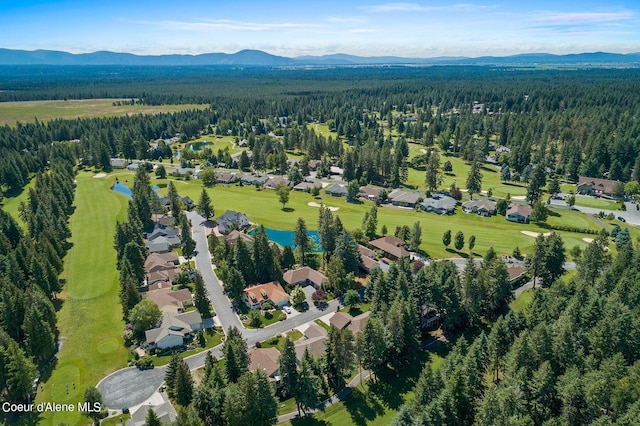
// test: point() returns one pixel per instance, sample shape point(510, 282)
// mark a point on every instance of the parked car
point(287, 309)
point(621, 219)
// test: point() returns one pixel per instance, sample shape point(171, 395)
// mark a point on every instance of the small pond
point(124, 189)
point(286, 238)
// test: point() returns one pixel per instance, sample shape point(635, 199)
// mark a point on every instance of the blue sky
point(360, 27)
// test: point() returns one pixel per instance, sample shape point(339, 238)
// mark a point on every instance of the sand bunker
point(519, 197)
point(535, 234)
point(588, 240)
point(100, 175)
point(314, 204)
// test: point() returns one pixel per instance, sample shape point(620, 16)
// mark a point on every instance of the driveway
point(631, 215)
point(129, 387)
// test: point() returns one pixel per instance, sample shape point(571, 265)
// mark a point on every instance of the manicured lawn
point(362, 307)
point(117, 420)
point(322, 324)
point(264, 321)
point(263, 207)
point(90, 320)
point(522, 302)
point(11, 204)
point(28, 111)
point(213, 339)
point(596, 203)
point(293, 335)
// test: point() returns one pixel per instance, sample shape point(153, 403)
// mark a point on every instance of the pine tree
point(301, 239)
point(288, 367)
point(458, 241)
point(204, 206)
point(416, 236)
point(152, 418)
point(326, 232)
point(93, 398)
point(446, 238)
point(244, 261)
point(433, 177)
point(183, 384)
point(235, 354)
point(308, 386)
point(288, 259)
point(234, 285)
point(200, 300)
point(474, 179)
point(347, 251)
point(175, 202)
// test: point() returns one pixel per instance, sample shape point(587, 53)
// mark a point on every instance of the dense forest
point(570, 358)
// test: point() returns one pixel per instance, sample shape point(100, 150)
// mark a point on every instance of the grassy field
point(90, 319)
point(263, 207)
point(11, 204)
point(28, 111)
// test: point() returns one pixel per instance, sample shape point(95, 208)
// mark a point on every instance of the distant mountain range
point(260, 58)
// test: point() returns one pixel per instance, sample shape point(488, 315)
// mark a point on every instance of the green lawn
point(213, 339)
point(90, 320)
point(322, 324)
point(294, 335)
point(522, 302)
point(263, 207)
point(11, 204)
point(28, 111)
point(596, 203)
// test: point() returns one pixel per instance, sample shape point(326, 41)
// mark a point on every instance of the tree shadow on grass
point(363, 407)
point(308, 421)
point(288, 209)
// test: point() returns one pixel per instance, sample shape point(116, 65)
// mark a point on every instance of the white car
point(287, 309)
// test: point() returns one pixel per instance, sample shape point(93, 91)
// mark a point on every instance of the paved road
point(631, 215)
point(129, 387)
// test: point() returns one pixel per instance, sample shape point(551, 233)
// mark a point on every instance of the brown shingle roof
point(358, 322)
point(391, 245)
point(265, 359)
point(273, 291)
point(340, 320)
point(294, 276)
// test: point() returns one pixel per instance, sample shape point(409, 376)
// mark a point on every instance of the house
point(481, 207)
point(336, 190)
point(133, 166)
point(117, 163)
point(232, 220)
point(159, 245)
point(173, 330)
point(235, 235)
point(188, 202)
point(518, 213)
point(336, 170)
point(315, 164)
point(276, 182)
point(516, 274)
point(358, 322)
point(243, 143)
point(314, 341)
point(162, 219)
point(225, 178)
point(304, 276)
point(393, 247)
point(306, 186)
point(401, 198)
point(367, 258)
point(265, 359)
point(595, 186)
point(439, 203)
point(164, 410)
point(161, 267)
point(369, 193)
point(256, 295)
point(171, 301)
point(340, 320)
point(248, 179)
point(163, 238)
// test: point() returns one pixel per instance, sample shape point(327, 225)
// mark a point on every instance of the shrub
point(282, 316)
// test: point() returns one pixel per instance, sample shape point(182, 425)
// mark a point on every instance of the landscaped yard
point(213, 339)
point(278, 341)
point(90, 320)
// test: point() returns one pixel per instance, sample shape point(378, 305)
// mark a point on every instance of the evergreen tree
point(93, 398)
point(152, 418)
point(505, 173)
point(204, 206)
point(433, 177)
point(183, 384)
point(39, 337)
point(537, 181)
point(308, 387)
point(265, 266)
point(234, 285)
point(301, 238)
point(288, 368)
point(244, 262)
point(416, 236)
point(235, 354)
point(175, 202)
point(474, 179)
point(347, 251)
point(446, 238)
point(288, 259)
point(326, 232)
point(200, 299)
point(261, 406)
point(458, 241)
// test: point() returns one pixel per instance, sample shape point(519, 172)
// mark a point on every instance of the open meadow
point(29, 111)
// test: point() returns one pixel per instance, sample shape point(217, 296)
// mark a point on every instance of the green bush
point(282, 316)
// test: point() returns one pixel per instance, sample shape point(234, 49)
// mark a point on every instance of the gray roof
point(174, 324)
point(336, 189)
point(487, 205)
point(225, 221)
point(404, 197)
point(439, 203)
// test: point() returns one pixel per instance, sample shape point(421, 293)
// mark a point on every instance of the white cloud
point(581, 17)
point(229, 25)
point(415, 7)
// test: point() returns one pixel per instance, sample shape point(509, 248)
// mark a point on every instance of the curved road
point(130, 386)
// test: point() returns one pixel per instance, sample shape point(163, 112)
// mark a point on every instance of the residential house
point(516, 274)
point(370, 193)
point(162, 239)
point(171, 301)
point(230, 220)
point(336, 190)
point(117, 163)
point(226, 178)
point(594, 186)
point(342, 320)
point(304, 276)
point(439, 203)
point(481, 207)
point(164, 410)
point(518, 213)
point(162, 219)
point(133, 166)
point(256, 295)
point(243, 143)
point(161, 267)
point(393, 247)
point(307, 186)
point(336, 170)
point(276, 182)
point(235, 235)
point(249, 179)
point(265, 359)
point(315, 164)
point(401, 198)
point(314, 341)
point(173, 330)
point(368, 258)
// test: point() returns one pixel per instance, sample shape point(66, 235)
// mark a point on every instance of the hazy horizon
point(419, 29)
